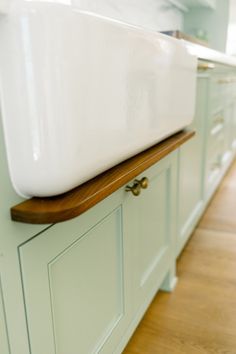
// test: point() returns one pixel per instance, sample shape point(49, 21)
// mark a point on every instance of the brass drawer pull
point(219, 120)
point(224, 81)
point(205, 66)
point(144, 182)
point(135, 189)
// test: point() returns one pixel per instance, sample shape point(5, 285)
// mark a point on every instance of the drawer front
point(215, 137)
point(220, 133)
point(222, 90)
point(217, 117)
point(213, 163)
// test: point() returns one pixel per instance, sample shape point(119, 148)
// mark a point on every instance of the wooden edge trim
point(77, 201)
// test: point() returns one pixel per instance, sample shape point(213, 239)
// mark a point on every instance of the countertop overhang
point(209, 54)
point(75, 202)
point(200, 49)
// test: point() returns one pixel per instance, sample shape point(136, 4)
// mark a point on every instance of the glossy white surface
point(152, 14)
point(80, 93)
point(4, 7)
point(210, 54)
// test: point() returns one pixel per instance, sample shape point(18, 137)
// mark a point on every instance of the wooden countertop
point(75, 202)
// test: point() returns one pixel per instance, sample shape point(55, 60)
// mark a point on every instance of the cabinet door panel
point(149, 219)
point(73, 285)
point(96, 298)
point(153, 235)
point(191, 170)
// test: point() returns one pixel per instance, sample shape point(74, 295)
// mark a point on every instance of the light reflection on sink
point(81, 93)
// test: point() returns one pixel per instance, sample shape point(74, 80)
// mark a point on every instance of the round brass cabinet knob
point(144, 182)
point(135, 189)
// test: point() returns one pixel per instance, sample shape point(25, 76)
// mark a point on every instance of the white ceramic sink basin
point(80, 93)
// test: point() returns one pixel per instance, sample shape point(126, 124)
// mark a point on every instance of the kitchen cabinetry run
point(220, 118)
point(88, 281)
point(204, 160)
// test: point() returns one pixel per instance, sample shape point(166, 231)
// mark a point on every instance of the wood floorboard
point(199, 317)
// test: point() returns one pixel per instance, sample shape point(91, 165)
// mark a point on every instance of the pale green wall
point(214, 22)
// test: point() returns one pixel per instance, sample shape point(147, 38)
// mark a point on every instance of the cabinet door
point(150, 221)
point(191, 165)
point(4, 347)
point(74, 283)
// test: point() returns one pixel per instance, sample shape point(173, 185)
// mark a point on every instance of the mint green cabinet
point(191, 169)
point(220, 127)
point(88, 281)
point(75, 283)
point(150, 220)
point(204, 159)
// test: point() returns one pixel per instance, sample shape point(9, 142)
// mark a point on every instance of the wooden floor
point(200, 315)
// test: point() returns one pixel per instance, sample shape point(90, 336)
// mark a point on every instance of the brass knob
point(135, 189)
point(219, 120)
point(143, 182)
point(224, 81)
point(205, 66)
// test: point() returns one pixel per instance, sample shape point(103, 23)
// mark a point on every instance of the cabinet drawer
point(217, 120)
point(215, 137)
point(213, 163)
point(222, 90)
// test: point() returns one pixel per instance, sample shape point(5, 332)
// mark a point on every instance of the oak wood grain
point(75, 202)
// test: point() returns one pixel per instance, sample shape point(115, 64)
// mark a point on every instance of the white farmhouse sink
point(80, 93)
